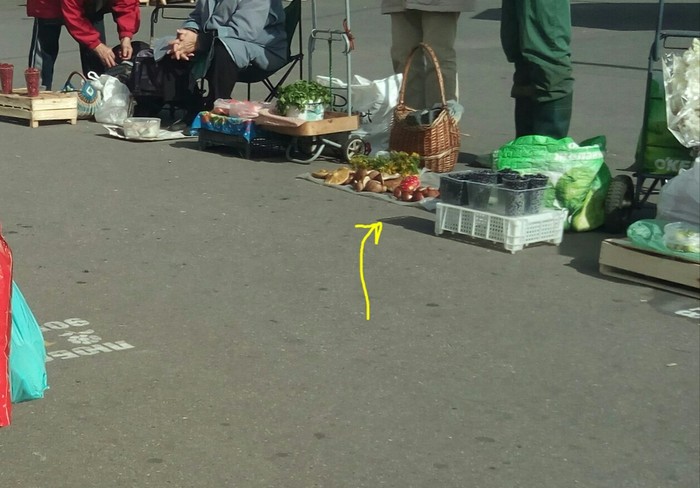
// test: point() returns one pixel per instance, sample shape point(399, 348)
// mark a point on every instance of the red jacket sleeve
point(79, 27)
point(127, 15)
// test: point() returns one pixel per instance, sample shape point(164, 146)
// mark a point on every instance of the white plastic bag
point(375, 101)
point(117, 102)
point(679, 199)
point(682, 85)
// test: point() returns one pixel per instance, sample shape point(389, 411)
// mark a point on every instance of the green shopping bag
point(27, 352)
point(578, 175)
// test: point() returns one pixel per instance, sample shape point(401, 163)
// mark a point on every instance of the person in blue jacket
point(536, 38)
point(222, 37)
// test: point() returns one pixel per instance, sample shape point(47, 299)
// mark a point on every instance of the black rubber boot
point(193, 104)
point(552, 118)
point(189, 109)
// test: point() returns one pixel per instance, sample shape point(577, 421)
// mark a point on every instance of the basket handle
point(70, 77)
point(441, 82)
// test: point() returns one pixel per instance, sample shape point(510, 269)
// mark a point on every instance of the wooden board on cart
point(47, 106)
point(620, 258)
point(332, 123)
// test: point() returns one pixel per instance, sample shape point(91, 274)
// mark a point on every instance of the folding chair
point(253, 74)
point(169, 12)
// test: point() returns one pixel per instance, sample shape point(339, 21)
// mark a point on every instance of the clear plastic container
point(311, 112)
point(141, 127)
point(453, 188)
point(479, 190)
point(505, 201)
point(682, 237)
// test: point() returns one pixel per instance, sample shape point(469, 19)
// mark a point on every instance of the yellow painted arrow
point(377, 229)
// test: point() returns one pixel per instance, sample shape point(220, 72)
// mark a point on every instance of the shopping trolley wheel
point(618, 204)
point(353, 146)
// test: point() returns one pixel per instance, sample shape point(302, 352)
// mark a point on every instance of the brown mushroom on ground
point(374, 186)
point(338, 177)
point(391, 185)
point(407, 196)
point(432, 192)
point(360, 174)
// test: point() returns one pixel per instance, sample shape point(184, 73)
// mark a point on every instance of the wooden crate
point(622, 259)
point(47, 106)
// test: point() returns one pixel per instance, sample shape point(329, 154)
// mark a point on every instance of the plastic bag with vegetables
point(682, 83)
point(578, 175)
point(672, 238)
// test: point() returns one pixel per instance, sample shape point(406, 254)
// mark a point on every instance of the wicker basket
point(437, 143)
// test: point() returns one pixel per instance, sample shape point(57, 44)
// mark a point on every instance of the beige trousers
point(438, 30)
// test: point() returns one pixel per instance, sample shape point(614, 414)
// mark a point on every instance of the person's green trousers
point(536, 38)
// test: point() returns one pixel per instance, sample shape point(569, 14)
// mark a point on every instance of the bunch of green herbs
point(300, 93)
point(395, 162)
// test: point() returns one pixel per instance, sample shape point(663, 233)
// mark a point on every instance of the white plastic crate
point(514, 232)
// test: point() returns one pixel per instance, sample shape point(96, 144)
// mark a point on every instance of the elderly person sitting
point(222, 37)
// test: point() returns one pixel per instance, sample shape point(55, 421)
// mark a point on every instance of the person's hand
point(175, 50)
point(106, 55)
point(127, 50)
point(184, 46)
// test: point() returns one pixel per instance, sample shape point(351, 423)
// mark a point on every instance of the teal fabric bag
point(27, 352)
point(88, 95)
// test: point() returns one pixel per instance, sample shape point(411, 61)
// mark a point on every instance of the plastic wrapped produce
point(682, 83)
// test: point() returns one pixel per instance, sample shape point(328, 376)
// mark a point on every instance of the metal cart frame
point(309, 140)
point(625, 195)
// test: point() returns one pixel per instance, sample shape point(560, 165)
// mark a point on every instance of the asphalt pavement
point(205, 320)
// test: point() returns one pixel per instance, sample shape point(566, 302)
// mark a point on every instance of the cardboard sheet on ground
point(163, 135)
point(427, 178)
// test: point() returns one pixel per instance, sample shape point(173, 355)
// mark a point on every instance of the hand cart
point(659, 155)
point(309, 140)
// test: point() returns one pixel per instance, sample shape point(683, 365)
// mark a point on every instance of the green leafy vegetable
point(300, 93)
point(396, 162)
point(573, 186)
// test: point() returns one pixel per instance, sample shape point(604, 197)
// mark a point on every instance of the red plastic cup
point(31, 76)
point(6, 74)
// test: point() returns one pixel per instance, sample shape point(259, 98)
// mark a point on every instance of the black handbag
point(146, 76)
